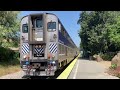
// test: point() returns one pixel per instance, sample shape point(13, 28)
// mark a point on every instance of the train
point(45, 45)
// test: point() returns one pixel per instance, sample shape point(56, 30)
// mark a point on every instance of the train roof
point(37, 14)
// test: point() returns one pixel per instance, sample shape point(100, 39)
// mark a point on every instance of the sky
point(69, 20)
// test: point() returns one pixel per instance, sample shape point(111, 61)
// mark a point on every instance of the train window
point(63, 49)
point(25, 28)
point(66, 51)
point(39, 23)
point(65, 34)
point(62, 31)
point(59, 48)
point(59, 27)
point(51, 26)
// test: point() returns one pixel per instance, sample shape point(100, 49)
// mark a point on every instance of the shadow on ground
point(81, 58)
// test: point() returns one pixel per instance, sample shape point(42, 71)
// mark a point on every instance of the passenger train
point(45, 45)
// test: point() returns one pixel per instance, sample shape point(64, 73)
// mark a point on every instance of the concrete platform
point(86, 69)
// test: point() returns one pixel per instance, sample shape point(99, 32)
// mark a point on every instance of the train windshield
point(39, 23)
point(51, 26)
point(25, 28)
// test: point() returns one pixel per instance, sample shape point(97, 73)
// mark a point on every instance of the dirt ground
point(109, 71)
point(106, 64)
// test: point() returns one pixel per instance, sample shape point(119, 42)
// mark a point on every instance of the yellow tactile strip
point(66, 72)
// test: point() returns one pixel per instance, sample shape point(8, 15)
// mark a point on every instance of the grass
point(9, 67)
point(8, 70)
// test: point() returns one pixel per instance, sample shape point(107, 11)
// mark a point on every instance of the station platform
point(85, 69)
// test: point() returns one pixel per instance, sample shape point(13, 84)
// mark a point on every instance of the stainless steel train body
point(45, 45)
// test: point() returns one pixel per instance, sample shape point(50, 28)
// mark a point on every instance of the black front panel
point(39, 51)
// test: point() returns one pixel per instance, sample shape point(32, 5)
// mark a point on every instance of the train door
point(37, 37)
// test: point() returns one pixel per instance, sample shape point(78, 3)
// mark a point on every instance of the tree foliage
point(9, 26)
point(100, 31)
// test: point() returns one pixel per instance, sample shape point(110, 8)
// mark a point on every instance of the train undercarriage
point(47, 68)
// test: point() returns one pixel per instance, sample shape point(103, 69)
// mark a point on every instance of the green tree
point(100, 31)
point(9, 26)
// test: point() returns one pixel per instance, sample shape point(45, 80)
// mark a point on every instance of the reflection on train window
point(59, 27)
point(25, 28)
point(51, 26)
point(63, 49)
point(66, 51)
point(65, 34)
point(59, 48)
point(62, 30)
point(39, 23)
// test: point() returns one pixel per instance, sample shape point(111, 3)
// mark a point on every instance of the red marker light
point(49, 55)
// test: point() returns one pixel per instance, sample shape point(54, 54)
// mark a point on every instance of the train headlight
point(53, 57)
point(26, 57)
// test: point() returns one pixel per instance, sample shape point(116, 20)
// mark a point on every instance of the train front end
point(38, 45)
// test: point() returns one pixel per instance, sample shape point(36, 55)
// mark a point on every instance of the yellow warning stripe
point(66, 72)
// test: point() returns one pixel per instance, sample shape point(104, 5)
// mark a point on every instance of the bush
point(108, 56)
point(113, 66)
point(8, 55)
